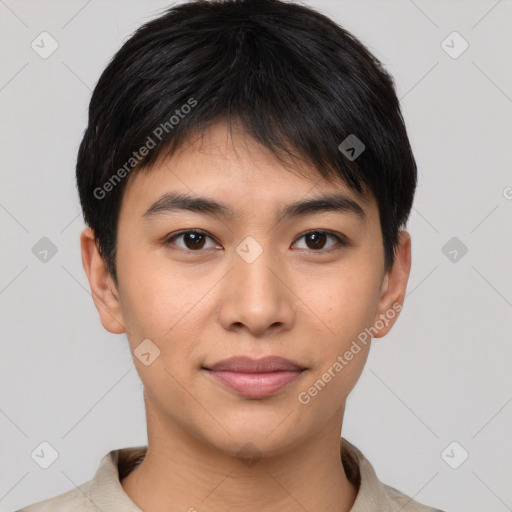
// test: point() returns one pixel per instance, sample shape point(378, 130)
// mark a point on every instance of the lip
point(249, 365)
point(255, 378)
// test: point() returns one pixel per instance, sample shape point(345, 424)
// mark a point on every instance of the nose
point(256, 296)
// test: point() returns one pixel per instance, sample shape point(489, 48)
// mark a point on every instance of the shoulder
point(405, 503)
point(103, 492)
point(76, 499)
point(374, 495)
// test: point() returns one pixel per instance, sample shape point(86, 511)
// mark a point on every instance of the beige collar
point(108, 495)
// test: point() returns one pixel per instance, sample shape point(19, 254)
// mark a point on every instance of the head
point(246, 105)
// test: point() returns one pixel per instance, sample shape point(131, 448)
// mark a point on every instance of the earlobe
point(104, 293)
point(394, 287)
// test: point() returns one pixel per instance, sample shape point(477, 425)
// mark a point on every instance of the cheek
point(155, 307)
point(343, 308)
point(166, 306)
point(150, 297)
point(344, 303)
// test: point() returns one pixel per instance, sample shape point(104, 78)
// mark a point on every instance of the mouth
point(255, 378)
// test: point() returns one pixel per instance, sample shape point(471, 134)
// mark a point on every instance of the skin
point(204, 306)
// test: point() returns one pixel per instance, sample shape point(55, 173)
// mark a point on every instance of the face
point(251, 277)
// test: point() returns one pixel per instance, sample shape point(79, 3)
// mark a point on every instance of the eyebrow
point(171, 202)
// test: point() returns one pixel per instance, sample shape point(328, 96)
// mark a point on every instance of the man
point(246, 178)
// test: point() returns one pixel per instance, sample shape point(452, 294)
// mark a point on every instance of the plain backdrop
point(442, 375)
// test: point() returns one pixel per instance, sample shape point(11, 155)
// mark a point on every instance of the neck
point(181, 472)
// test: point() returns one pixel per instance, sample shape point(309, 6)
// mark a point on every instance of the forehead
point(225, 171)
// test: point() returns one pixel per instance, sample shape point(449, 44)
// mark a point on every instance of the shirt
point(105, 493)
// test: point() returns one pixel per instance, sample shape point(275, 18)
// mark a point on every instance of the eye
point(315, 240)
point(193, 239)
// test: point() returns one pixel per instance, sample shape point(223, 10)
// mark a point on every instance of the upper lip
point(249, 365)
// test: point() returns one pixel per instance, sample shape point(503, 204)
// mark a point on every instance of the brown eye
point(316, 240)
point(193, 240)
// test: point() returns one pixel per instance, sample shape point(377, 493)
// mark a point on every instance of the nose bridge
point(254, 294)
point(255, 269)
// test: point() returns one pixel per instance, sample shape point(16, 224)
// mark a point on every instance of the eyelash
point(340, 239)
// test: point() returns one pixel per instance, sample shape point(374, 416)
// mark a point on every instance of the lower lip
point(255, 385)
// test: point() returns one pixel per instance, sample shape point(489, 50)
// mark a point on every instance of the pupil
point(194, 237)
point(316, 237)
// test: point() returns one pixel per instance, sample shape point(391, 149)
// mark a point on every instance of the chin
point(257, 437)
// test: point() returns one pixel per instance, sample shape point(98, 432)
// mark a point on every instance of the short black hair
point(289, 76)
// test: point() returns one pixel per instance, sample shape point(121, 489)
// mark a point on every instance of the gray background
point(441, 375)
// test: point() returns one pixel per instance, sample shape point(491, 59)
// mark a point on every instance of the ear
point(393, 287)
point(103, 290)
